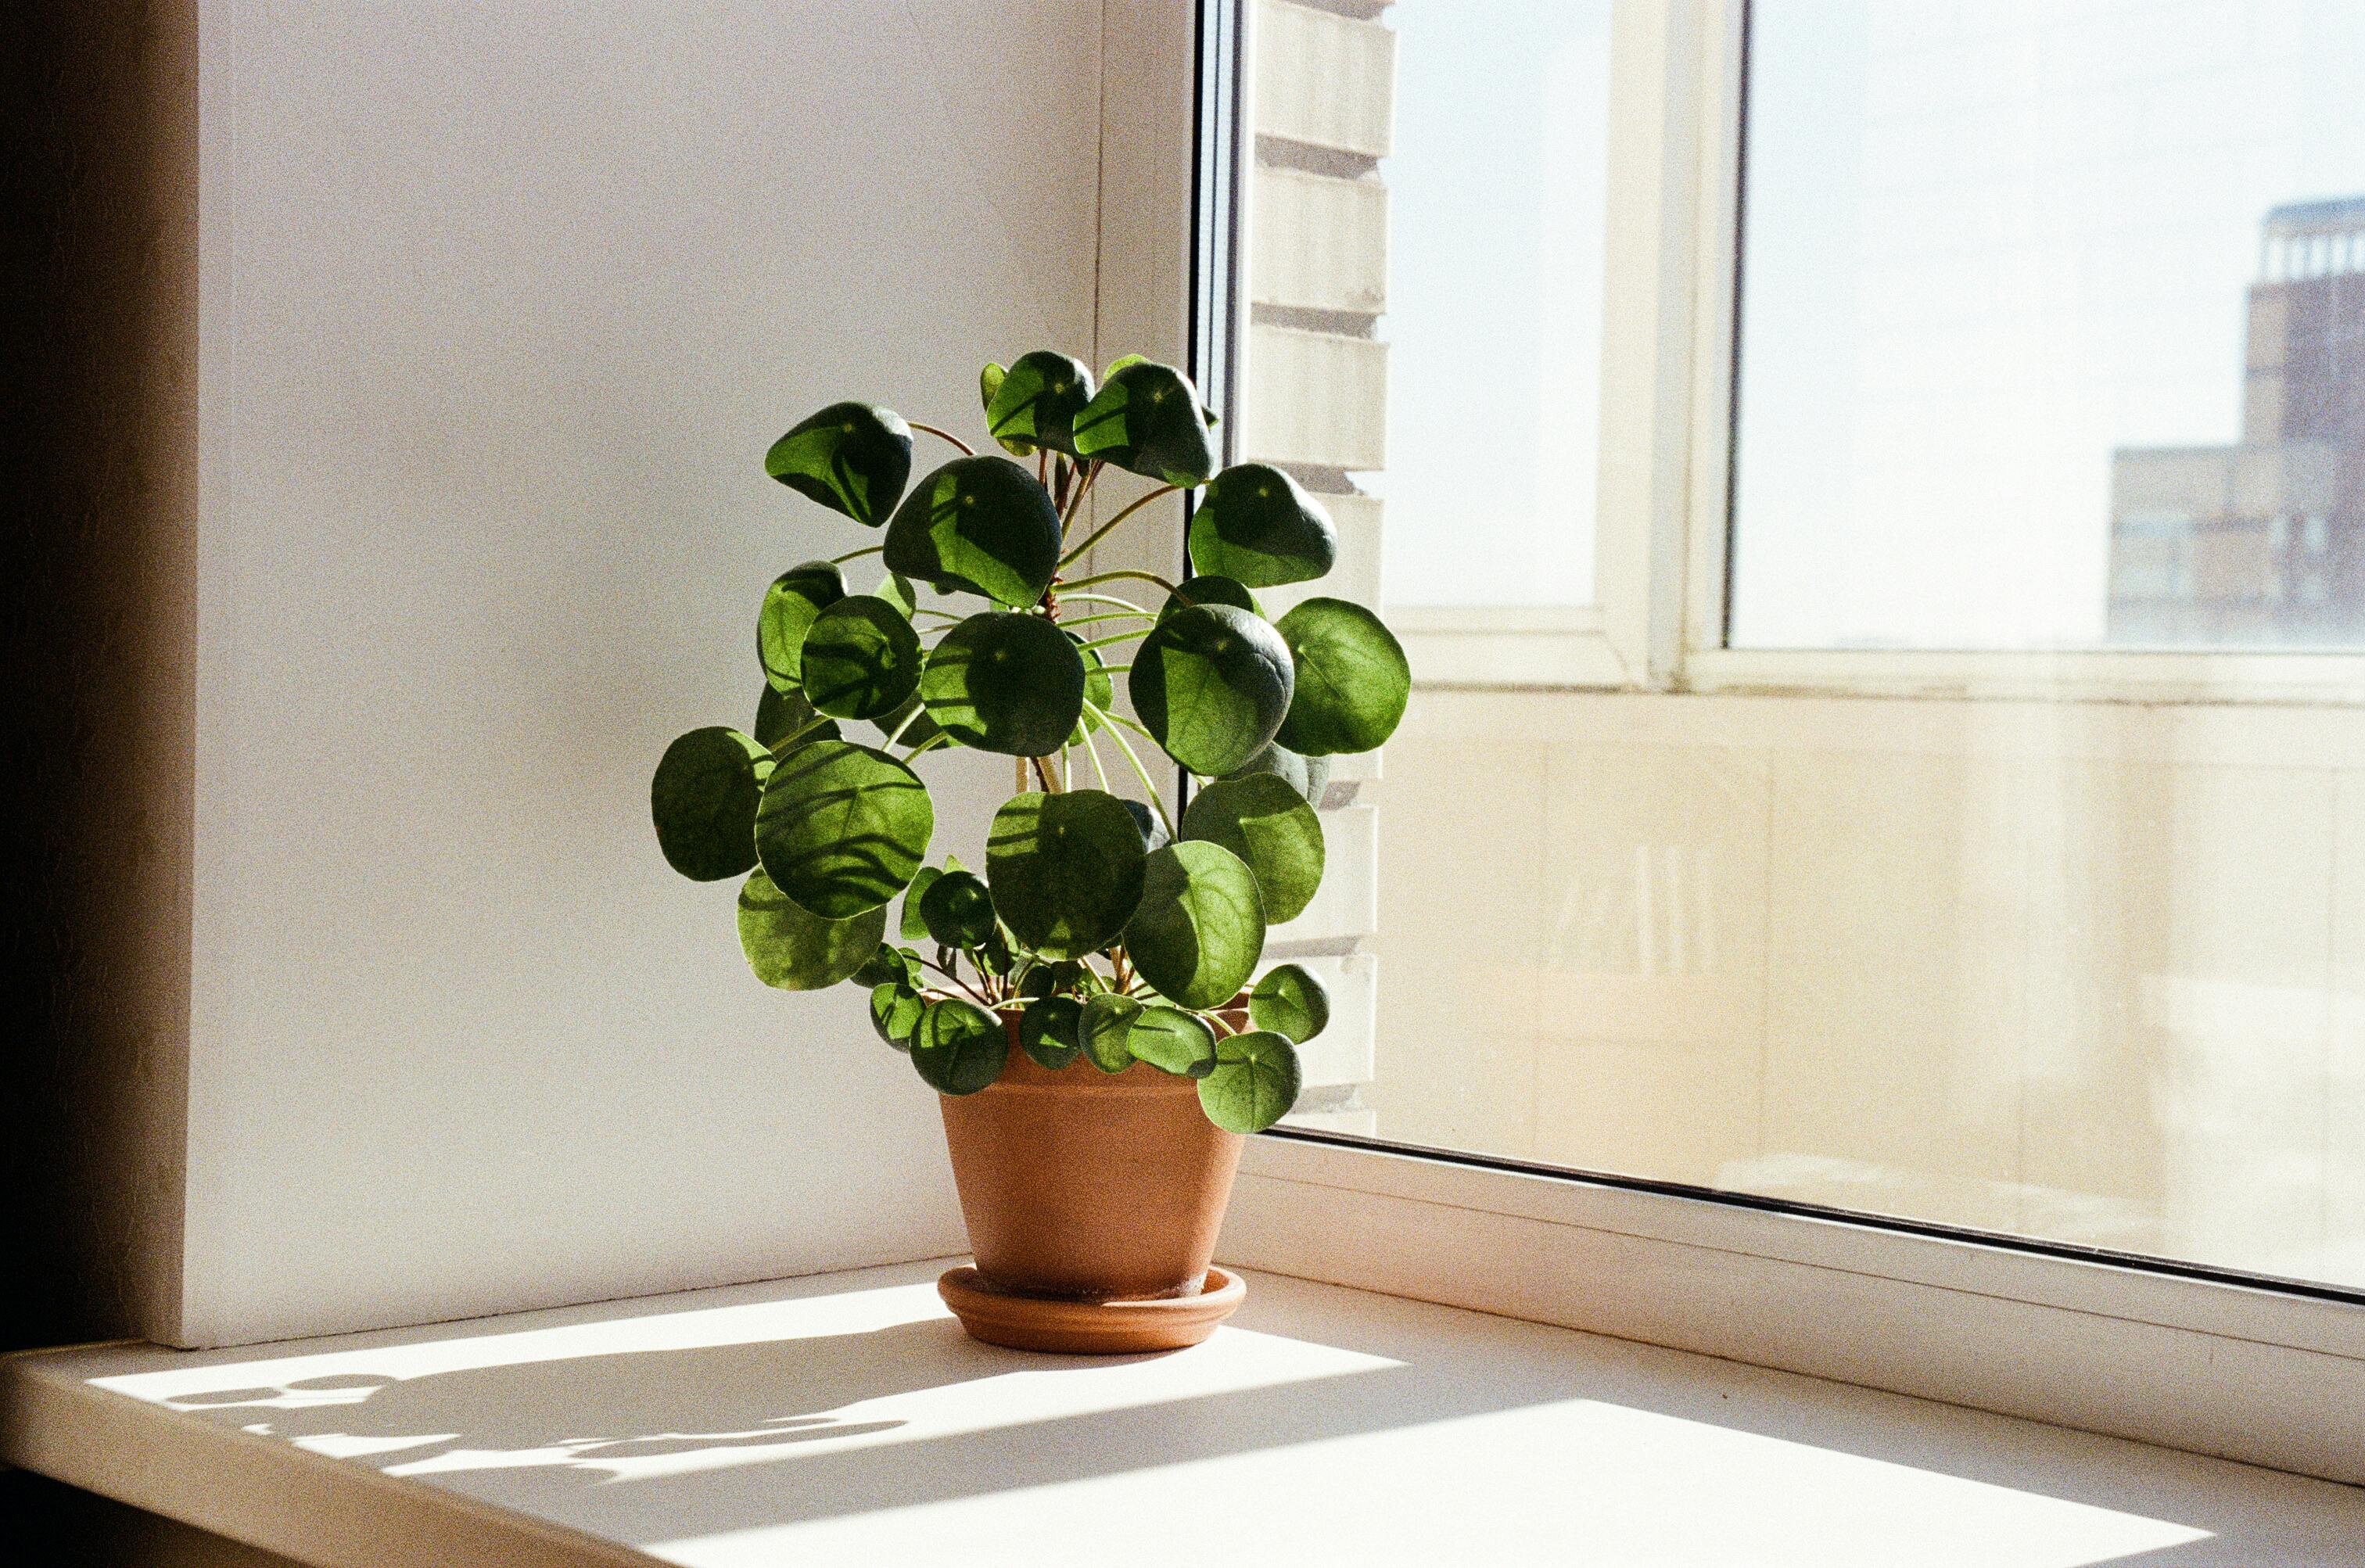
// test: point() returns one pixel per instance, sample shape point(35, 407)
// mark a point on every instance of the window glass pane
point(1425, 322)
point(2052, 326)
point(2086, 971)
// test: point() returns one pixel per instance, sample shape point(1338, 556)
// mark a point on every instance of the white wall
point(500, 306)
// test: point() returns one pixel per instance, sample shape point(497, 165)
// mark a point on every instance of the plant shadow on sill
point(654, 1445)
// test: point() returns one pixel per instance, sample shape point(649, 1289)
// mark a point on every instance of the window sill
point(845, 1418)
point(2244, 1373)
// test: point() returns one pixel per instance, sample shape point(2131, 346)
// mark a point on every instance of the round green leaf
point(1100, 690)
point(1065, 870)
point(796, 950)
point(779, 715)
point(850, 456)
point(1254, 1084)
point(1309, 776)
point(1200, 929)
point(920, 730)
point(1172, 1041)
point(978, 524)
point(959, 1048)
point(1153, 826)
point(703, 800)
point(914, 928)
point(957, 911)
point(1005, 682)
point(1148, 418)
point(1213, 685)
point(1049, 1031)
point(1264, 822)
point(889, 963)
point(861, 658)
point(1206, 590)
point(896, 590)
point(896, 1010)
point(1290, 1001)
point(1107, 1020)
point(1257, 525)
point(796, 596)
point(1353, 679)
point(842, 828)
point(1036, 401)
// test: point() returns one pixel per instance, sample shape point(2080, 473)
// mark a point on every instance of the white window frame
point(1662, 519)
point(2157, 1351)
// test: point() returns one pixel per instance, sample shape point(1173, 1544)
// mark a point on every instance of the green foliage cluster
point(1101, 932)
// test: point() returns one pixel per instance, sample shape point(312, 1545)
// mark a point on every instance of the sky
point(1987, 242)
point(1495, 192)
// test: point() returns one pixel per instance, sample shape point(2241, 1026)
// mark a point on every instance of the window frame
point(1663, 524)
point(2260, 1370)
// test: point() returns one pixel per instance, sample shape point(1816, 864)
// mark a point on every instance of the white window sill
point(845, 1418)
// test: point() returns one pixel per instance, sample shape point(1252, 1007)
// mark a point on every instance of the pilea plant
point(1103, 930)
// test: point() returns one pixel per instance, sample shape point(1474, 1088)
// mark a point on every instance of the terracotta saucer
point(1089, 1328)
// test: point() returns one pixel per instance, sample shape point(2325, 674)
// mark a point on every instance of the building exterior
point(1321, 108)
point(2263, 542)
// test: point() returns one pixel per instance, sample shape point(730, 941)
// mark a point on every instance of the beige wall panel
point(1323, 79)
point(1318, 242)
point(1342, 1054)
point(1346, 905)
point(1315, 398)
point(1895, 985)
point(1356, 575)
point(2177, 1010)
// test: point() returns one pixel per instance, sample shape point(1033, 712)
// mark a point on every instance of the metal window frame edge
point(2157, 1353)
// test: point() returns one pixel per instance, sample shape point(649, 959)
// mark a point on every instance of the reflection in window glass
point(2052, 326)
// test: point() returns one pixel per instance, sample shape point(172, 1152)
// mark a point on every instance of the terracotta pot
point(1082, 1185)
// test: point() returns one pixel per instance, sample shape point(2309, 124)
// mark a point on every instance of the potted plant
point(1087, 1002)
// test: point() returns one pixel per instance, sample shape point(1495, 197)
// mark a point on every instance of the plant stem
point(1094, 752)
point(1108, 642)
point(931, 744)
point(1106, 599)
point(1042, 771)
point(793, 737)
point(953, 977)
point(855, 555)
point(1109, 615)
point(917, 709)
point(1072, 504)
point(943, 435)
point(1141, 577)
point(1157, 802)
point(1129, 723)
point(1097, 534)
